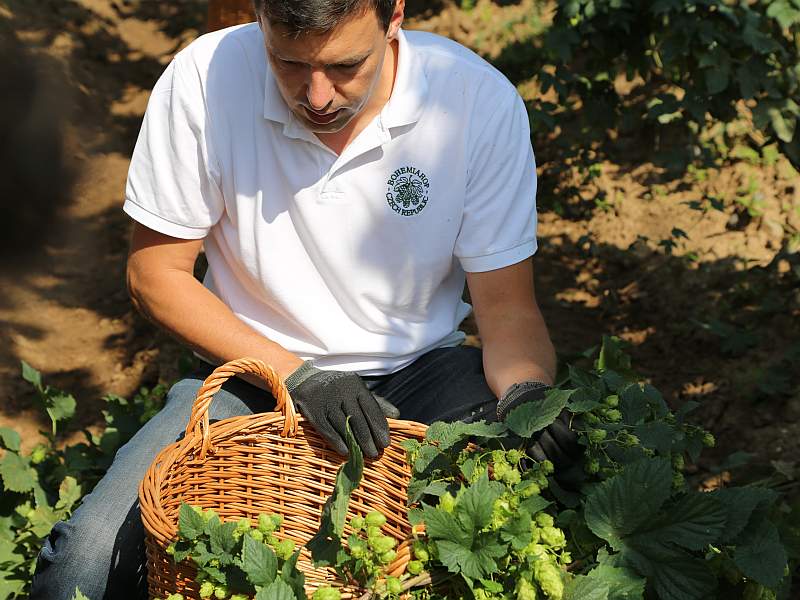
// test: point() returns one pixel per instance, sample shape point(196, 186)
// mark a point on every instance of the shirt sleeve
point(173, 182)
point(498, 227)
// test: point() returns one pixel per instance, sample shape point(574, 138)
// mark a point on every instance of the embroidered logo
point(407, 191)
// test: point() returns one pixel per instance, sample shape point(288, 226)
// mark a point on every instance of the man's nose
point(320, 92)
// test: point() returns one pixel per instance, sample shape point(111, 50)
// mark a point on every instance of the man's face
point(326, 79)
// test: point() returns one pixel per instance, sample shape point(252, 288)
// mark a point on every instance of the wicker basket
point(263, 463)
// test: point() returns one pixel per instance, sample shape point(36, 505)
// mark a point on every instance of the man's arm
point(163, 288)
point(516, 345)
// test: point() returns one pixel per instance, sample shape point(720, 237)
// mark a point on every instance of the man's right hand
point(327, 398)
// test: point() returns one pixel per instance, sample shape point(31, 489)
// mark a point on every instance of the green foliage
point(45, 485)
point(689, 64)
point(235, 559)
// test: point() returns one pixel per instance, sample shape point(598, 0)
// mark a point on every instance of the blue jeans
point(101, 548)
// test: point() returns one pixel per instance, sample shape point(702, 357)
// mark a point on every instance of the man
point(344, 179)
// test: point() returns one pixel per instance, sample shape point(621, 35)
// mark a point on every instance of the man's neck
point(380, 96)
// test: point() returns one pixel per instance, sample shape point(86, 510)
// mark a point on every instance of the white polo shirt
point(357, 260)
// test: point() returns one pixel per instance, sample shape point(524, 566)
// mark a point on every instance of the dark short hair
point(320, 15)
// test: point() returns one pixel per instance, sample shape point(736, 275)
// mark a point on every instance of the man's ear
point(397, 20)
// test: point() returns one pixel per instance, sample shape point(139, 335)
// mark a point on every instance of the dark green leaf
point(17, 474)
point(584, 588)
point(277, 590)
point(60, 407)
point(190, 524)
point(531, 417)
point(581, 379)
point(293, 576)
point(326, 543)
point(69, 492)
point(222, 541)
point(612, 357)
point(694, 522)
point(446, 434)
point(444, 526)
point(475, 505)
point(620, 505)
point(656, 435)
point(761, 555)
point(534, 504)
point(517, 530)
point(258, 562)
point(672, 573)
point(474, 563)
point(428, 455)
point(621, 583)
point(740, 503)
point(9, 438)
point(584, 399)
point(31, 375)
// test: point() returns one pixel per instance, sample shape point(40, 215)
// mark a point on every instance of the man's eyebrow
point(349, 61)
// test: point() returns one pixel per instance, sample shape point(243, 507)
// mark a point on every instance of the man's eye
point(351, 66)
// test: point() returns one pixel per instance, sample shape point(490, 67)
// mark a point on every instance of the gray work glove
point(327, 398)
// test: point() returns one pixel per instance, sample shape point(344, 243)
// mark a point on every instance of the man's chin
point(339, 123)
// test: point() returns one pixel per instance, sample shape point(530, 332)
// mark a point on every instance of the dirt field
point(600, 269)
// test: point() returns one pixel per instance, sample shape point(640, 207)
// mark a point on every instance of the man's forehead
point(353, 38)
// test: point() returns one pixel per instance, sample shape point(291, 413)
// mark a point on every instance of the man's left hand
point(557, 442)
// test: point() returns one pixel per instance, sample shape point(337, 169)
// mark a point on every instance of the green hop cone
point(499, 470)
point(175, 597)
point(256, 535)
point(382, 544)
point(421, 551)
point(284, 549)
point(221, 592)
point(239, 597)
point(514, 456)
point(357, 523)
point(530, 489)
point(375, 519)
point(326, 593)
point(526, 590)
point(548, 468)
point(613, 415)
point(414, 567)
point(206, 590)
point(592, 466)
point(597, 435)
point(548, 576)
point(678, 462)
point(171, 549)
point(512, 477)
point(393, 586)
point(39, 454)
point(591, 419)
point(553, 536)
point(709, 441)
point(358, 549)
point(678, 481)
point(265, 524)
point(446, 502)
point(387, 557)
point(243, 525)
point(544, 519)
point(611, 401)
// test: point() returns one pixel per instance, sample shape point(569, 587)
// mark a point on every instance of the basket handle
point(198, 426)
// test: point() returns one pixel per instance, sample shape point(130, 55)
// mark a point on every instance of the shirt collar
point(403, 108)
point(410, 87)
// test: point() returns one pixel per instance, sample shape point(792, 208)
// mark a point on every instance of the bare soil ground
point(600, 269)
